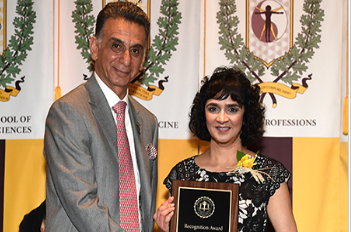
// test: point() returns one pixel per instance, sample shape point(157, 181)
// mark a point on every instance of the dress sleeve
point(168, 180)
point(278, 173)
point(184, 170)
point(275, 171)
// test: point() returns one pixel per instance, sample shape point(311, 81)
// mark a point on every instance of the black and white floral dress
point(253, 197)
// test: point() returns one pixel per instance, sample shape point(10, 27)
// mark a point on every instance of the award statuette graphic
point(205, 206)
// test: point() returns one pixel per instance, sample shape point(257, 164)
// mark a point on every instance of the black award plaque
point(204, 206)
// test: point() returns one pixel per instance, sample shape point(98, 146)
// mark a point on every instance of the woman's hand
point(164, 214)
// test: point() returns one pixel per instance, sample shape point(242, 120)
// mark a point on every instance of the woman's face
point(224, 119)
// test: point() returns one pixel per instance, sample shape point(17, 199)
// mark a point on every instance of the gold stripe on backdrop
point(24, 187)
point(170, 152)
point(316, 183)
point(346, 99)
point(58, 93)
point(204, 38)
point(4, 23)
point(343, 187)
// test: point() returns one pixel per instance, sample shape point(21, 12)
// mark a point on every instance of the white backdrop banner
point(26, 67)
point(170, 81)
point(268, 40)
point(290, 49)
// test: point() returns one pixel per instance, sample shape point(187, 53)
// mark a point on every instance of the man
point(82, 139)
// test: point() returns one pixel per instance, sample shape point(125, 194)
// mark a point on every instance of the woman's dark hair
point(125, 10)
point(225, 82)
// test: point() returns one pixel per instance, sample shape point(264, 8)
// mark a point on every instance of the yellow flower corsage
point(245, 164)
point(246, 161)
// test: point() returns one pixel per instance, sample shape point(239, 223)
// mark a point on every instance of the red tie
point(129, 216)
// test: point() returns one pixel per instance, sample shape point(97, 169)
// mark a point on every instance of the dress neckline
point(207, 171)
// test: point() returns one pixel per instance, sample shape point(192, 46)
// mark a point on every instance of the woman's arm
point(280, 212)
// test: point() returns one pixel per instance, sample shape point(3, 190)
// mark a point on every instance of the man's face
point(119, 53)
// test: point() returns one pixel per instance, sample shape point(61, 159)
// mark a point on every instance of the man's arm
point(67, 151)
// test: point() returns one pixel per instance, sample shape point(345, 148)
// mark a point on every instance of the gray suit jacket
point(80, 148)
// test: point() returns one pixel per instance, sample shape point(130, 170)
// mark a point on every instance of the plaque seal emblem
point(204, 207)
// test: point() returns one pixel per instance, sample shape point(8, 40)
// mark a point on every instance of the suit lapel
point(104, 118)
point(137, 124)
point(143, 160)
point(102, 112)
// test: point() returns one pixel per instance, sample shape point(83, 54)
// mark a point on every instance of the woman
point(34, 220)
point(226, 111)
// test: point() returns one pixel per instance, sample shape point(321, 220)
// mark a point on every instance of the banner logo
point(15, 53)
point(270, 32)
point(269, 44)
point(159, 52)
